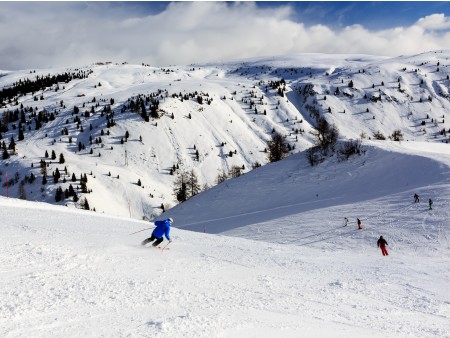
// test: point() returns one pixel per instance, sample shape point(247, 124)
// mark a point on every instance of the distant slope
point(293, 187)
point(244, 102)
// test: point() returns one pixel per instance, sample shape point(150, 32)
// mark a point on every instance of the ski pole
point(140, 231)
point(166, 246)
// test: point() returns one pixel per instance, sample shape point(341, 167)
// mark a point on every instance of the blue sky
point(47, 34)
point(371, 14)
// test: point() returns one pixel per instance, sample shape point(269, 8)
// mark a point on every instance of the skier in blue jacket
point(162, 229)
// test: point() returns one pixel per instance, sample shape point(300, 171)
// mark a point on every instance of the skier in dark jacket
point(359, 223)
point(162, 229)
point(430, 203)
point(416, 198)
point(382, 245)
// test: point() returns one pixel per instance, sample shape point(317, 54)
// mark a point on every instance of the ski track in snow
point(77, 274)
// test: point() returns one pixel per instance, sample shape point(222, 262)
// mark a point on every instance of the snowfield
point(271, 268)
point(262, 255)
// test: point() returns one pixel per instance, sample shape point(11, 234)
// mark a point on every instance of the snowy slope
point(76, 273)
point(292, 186)
point(278, 261)
point(311, 81)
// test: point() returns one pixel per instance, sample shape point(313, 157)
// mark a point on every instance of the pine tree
point(56, 176)
point(5, 155)
point(61, 159)
point(144, 112)
point(83, 186)
point(59, 194)
point(71, 190)
point(180, 187)
point(85, 204)
point(192, 184)
point(12, 144)
point(21, 137)
point(277, 148)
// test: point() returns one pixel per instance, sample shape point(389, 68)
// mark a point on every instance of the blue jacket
point(162, 228)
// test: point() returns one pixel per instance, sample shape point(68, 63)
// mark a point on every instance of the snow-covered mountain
point(211, 117)
point(269, 254)
point(279, 261)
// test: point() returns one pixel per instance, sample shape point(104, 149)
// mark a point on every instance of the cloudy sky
point(48, 34)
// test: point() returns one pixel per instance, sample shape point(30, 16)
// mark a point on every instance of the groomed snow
point(69, 273)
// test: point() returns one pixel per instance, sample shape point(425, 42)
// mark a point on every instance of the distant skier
point(359, 223)
point(381, 243)
point(162, 229)
point(430, 204)
point(416, 198)
point(345, 221)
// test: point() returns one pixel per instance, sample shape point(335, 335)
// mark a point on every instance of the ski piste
point(377, 217)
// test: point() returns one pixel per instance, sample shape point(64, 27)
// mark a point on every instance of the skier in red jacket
point(382, 245)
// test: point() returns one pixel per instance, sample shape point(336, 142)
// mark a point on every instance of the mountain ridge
point(243, 103)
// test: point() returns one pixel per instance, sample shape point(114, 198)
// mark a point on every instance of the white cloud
point(39, 34)
point(434, 22)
